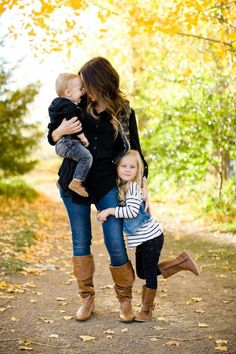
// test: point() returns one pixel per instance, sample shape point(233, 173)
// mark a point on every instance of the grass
point(23, 239)
point(210, 256)
point(16, 188)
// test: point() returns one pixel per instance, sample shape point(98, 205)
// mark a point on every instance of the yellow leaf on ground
point(124, 330)
point(196, 299)
point(154, 339)
point(174, 343)
point(54, 336)
point(199, 311)
point(221, 341)
point(14, 319)
point(61, 298)
point(109, 331)
point(67, 318)
point(23, 347)
point(106, 287)
point(221, 348)
point(87, 338)
point(159, 328)
point(202, 325)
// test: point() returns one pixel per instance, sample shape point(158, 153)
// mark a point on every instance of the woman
point(111, 129)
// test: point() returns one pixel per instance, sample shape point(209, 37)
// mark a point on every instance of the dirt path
point(193, 315)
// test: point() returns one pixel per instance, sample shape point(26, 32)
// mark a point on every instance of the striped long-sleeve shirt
point(147, 231)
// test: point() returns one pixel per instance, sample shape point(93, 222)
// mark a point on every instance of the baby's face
point(76, 89)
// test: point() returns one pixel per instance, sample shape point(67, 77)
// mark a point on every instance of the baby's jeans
point(73, 149)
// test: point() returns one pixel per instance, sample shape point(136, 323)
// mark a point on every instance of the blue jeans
point(73, 149)
point(80, 221)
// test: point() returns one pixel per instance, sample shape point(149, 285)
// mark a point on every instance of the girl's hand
point(146, 197)
point(103, 215)
point(67, 127)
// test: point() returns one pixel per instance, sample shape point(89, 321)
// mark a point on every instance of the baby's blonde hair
point(124, 186)
point(62, 82)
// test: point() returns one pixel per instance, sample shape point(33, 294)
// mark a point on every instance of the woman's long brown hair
point(102, 79)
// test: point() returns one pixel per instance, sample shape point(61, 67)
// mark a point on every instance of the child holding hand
point(143, 232)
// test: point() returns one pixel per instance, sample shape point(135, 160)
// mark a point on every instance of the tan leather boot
point(83, 270)
point(123, 277)
point(183, 261)
point(148, 296)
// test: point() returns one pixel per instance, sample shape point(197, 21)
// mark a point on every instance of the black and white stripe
point(150, 229)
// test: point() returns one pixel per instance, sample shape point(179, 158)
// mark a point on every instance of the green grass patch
point(23, 239)
point(12, 265)
point(210, 256)
point(16, 188)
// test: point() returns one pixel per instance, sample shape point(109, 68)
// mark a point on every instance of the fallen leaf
point(153, 339)
point(87, 338)
point(106, 287)
point(23, 347)
point(161, 318)
point(202, 325)
point(221, 348)
point(124, 330)
point(61, 298)
point(199, 311)
point(196, 299)
point(158, 328)
point(221, 341)
point(67, 318)
point(14, 319)
point(54, 336)
point(109, 331)
point(33, 301)
point(45, 319)
point(174, 343)
point(36, 293)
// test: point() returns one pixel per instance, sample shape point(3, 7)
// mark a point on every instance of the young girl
point(143, 232)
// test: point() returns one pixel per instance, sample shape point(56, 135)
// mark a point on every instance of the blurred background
point(177, 65)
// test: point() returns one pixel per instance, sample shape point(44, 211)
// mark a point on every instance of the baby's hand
point(84, 141)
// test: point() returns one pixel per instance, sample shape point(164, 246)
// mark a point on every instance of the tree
point(194, 133)
point(18, 137)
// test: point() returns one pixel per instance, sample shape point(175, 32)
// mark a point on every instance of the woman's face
point(127, 168)
point(91, 93)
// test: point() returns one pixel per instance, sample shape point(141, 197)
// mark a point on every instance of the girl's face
point(127, 168)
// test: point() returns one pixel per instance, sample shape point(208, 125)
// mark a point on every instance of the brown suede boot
point(148, 296)
point(183, 261)
point(123, 277)
point(83, 270)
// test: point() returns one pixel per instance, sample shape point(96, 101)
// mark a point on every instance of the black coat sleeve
point(134, 139)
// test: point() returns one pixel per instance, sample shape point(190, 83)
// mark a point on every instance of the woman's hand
point(67, 127)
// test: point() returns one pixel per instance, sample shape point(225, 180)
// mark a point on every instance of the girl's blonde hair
point(63, 81)
point(123, 187)
point(102, 79)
